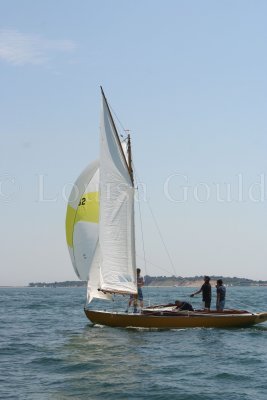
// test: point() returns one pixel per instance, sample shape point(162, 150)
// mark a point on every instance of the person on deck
point(183, 306)
point(221, 292)
point(206, 293)
point(134, 298)
point(139, 296)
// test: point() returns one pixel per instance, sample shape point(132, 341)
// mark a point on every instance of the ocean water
point(49, 350)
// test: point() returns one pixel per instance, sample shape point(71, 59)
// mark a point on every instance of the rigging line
point(120, 123)
point(142, 232)
point(235, 301)
point(163, 241)
point(159, 232)
point(143, 242)
point(155, 265)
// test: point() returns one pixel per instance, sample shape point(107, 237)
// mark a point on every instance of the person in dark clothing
point(183, 306)
point(206, 293)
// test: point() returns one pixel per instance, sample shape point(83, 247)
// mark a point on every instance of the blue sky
point(188, 78)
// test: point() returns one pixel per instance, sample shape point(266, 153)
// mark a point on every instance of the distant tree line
point(58, 284)
point(176, 280)
point(161, 281)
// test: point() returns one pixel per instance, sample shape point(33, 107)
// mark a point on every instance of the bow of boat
point(261, 317)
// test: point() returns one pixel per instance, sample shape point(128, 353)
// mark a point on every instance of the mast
point(117, 137)
point(129, 148)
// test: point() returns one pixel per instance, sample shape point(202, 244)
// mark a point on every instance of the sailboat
point(100, 235)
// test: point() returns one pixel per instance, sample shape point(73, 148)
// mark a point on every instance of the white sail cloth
point(82, 228)
point(100, 219)
point(116, 225)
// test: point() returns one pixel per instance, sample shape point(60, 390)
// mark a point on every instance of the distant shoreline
point(157, 282)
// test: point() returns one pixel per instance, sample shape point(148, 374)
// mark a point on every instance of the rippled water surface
point(49, 350)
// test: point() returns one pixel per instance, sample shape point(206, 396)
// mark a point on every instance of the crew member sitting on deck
point(183, 306)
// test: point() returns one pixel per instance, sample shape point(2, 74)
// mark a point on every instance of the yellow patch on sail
point(87, 211)
point(69, 224)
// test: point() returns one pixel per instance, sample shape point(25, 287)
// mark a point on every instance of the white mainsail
point(116, 225)
point(100, 219)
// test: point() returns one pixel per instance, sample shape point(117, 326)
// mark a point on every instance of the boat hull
point(207, 320)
